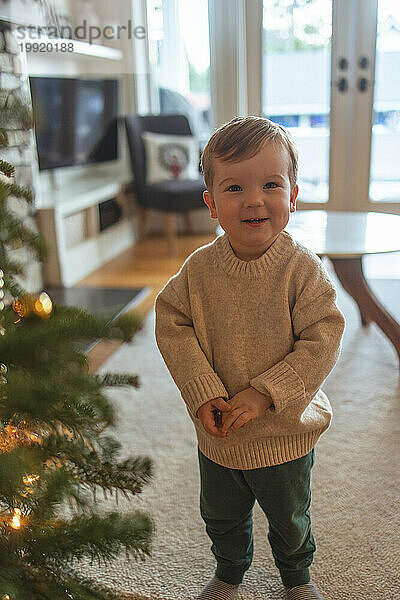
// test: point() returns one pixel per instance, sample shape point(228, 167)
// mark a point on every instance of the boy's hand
point(210, 415)
point(246, 405)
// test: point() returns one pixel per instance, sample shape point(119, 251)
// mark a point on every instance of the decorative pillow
point(170, 156)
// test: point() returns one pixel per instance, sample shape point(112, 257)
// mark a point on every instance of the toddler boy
point(249, 330)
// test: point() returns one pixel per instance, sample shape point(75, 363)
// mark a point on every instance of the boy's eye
point(236, 188)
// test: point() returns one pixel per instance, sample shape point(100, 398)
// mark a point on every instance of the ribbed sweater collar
point(250, 268)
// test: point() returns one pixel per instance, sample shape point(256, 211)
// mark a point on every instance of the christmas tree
point(55, 451)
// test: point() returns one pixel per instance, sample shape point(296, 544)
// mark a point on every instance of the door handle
point(342, 84)
point(363, 84)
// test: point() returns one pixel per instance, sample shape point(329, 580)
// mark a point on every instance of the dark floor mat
point(101, 302)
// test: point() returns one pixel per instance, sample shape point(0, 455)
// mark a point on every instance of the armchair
point(170, 196)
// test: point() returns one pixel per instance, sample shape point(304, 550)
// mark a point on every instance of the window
point(180, 60)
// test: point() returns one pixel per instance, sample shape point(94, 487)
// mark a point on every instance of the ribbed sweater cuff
point(282, 383)
point(201, 389)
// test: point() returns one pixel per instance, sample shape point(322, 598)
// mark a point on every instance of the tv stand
point(68, 219)
point(55, 180)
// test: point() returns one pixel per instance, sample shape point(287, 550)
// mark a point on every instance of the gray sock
point(306, 591)
point(218, 590)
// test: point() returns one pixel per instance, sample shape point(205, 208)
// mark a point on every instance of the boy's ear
point(293, 197)
point(208, 199)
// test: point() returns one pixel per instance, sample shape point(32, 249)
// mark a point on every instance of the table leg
point(351, 276)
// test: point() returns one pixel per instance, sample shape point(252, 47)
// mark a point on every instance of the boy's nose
point(255, 199)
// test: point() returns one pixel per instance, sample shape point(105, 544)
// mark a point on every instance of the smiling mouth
point(258, 220)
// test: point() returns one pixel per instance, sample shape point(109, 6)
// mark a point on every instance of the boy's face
point(252, 188)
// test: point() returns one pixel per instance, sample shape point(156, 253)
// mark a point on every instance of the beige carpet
point(355, 480)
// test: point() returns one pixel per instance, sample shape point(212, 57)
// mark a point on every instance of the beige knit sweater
point(224, 324)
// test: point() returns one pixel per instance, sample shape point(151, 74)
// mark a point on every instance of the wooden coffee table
point(345, 237)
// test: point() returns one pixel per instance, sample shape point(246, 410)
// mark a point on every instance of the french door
point(331, 74)
point(329, 70)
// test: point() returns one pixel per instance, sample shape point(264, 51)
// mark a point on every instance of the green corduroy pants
point(227, 498)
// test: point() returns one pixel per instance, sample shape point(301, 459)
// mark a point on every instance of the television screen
point(75, 120)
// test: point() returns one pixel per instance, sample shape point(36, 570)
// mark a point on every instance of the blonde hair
point(243, 137)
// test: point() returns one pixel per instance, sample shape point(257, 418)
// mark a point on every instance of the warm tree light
point(16, 521)
point(41, 306)
point(29, 479)
point(12, 437)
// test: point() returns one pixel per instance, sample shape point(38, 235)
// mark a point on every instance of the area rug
point(355, 480)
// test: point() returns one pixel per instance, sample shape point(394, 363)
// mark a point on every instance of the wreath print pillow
point(170, 157)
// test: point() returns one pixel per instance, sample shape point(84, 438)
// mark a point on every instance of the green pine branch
point(73, 584)
point(94, 469)
point(14, 231)
point(117, 379)
point(54, 336)
point(38, 558)
point(57, 398)
point(13, 288)
point(13, 467)
point(13, 189)
point(5, 167)
point(86, 466)
point(9, 266)
point(100, 538)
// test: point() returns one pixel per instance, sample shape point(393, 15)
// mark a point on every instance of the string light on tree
point(16, 520)
point(12, 437)
point(41, 306)
point(29, 480)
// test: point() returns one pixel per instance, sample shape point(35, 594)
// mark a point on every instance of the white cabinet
point(68, 219)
